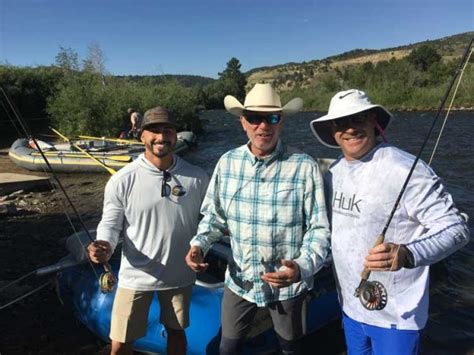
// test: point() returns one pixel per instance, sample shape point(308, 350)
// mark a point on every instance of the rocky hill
point(304, 75)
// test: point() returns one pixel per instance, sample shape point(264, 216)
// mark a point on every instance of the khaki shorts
point(130, 311)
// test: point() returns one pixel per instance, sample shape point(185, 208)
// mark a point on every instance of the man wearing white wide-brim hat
point(269, 198)
point(362, 187)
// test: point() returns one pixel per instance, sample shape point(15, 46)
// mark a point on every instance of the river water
point(450, 329)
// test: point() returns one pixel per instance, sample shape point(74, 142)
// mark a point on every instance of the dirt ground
point(32, 235)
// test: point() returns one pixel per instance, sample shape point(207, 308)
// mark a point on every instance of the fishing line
point(26, 294)
point(10, 118)
point(449, 108)
point(53, 186)
point(372, 294)
point(107, 279)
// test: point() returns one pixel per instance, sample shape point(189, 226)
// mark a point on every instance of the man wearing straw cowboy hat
point(269, 199)
point(362, 187)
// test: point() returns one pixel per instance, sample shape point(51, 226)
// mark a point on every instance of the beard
point(160, 152)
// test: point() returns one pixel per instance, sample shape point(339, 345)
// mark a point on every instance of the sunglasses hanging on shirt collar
point(165, 187)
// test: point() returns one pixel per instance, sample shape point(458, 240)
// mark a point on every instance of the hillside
point(289, 76)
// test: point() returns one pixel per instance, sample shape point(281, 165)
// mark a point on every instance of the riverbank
point(33, 236)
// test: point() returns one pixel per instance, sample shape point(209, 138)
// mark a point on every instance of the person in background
point(135, 122)
point(362, 187)
point(269, 198)
point(154, 202)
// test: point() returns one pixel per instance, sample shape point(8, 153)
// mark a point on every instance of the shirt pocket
point(285, 205)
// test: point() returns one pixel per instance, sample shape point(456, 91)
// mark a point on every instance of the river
point(450, 329)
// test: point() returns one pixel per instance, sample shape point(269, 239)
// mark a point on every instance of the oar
point(124, 158)
point(110, 170)
point(117, 140)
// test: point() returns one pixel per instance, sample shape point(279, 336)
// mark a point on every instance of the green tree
point(234, 79)
point(424, 57)
point(67, 59)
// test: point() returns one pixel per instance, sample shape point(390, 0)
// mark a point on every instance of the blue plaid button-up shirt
point(273, 209)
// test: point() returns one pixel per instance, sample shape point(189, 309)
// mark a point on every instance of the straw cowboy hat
point(262, 98)
point(344, 104)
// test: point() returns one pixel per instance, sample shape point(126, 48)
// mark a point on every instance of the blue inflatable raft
point(79, 287)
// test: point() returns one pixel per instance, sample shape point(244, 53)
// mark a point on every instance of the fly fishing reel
point(107, 280)
point(372, 295)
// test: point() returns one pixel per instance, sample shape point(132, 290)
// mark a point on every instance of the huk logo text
point(345, 203)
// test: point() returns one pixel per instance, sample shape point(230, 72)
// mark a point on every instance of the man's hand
point(100, 251)
point(284, 278)
point(387, 257)
point(195, 260)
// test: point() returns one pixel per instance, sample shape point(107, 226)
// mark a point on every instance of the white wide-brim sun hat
point(262, 98)
point(343, 104)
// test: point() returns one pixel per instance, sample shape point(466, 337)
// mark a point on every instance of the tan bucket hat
point(344, 104)
point(262, 98)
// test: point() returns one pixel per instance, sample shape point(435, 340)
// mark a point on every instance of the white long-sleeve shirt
point(362, 194)
point(156, 230)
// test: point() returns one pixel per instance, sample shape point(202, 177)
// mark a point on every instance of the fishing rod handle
point(107, 267)
point(366, 272)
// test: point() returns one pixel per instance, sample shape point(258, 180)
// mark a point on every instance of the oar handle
point(60, 134)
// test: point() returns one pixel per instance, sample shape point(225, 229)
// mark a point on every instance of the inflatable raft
point(79, 288)
point(65, 158)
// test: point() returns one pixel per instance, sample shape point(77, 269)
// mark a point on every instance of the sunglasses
point(344, 122)
point(256, 119)
point(165, 187)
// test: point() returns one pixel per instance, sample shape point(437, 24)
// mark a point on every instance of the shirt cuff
point(410, 258)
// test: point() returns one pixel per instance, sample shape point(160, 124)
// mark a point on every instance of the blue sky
point(199, 36)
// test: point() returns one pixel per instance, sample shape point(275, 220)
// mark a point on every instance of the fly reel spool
point(372, 295)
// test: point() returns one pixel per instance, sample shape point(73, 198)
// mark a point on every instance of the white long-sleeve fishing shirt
point(156, 230)
point(362, 194)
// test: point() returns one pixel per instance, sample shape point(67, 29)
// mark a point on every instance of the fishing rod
point(372, 294)
point(107, 279)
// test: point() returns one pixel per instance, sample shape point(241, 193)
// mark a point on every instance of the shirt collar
point(153, 167)
point(267, 160)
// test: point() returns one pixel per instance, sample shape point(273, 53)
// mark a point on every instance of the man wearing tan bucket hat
point(154, 203)
point(362, 187)
point(269, 199)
